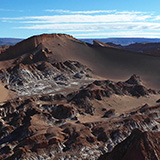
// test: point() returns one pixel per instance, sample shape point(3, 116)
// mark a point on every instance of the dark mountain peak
point(134, 79)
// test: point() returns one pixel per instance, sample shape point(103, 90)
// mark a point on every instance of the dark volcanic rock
point(109, 113)
point(59, 97)
point(63, 112)
point(46, 98)
point(158, 101)
point(60, 78)
point(78, 75)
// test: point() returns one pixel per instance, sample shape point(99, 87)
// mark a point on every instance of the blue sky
point(80, 18)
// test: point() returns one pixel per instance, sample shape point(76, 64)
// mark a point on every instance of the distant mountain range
point(123, 41)
point(9, 41)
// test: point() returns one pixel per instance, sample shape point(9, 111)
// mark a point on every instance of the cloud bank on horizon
point(91, 23)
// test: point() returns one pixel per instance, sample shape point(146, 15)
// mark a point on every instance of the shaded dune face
point(118, 64)
point(105, 61)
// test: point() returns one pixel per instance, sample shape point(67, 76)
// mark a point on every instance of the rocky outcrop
point(134, 79)
point(109, 113)
point(63, 111)
point(158, 101)
point(46, 77)
point(106, 88)
point(98, 90)
point(139, 145)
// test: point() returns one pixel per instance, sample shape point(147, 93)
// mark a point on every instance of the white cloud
point(131, 12)
point(93, 11)
point(96, 26)
point(6, 10)
point(157, 18)
point(82, 18)
point(120, 34)
point(127, 23)
point(10, 10)
point(79, 12)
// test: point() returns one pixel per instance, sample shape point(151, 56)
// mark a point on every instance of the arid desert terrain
point(64, 99)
